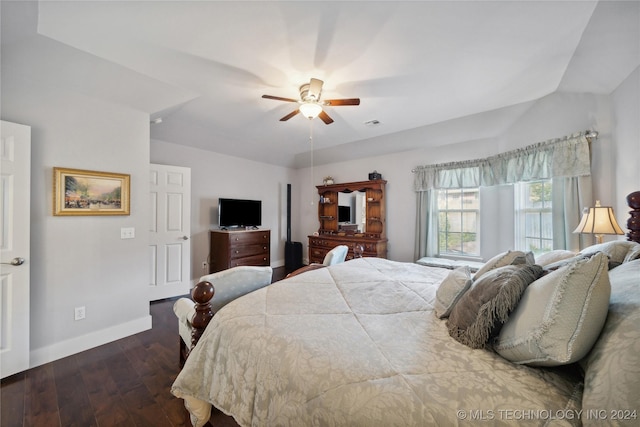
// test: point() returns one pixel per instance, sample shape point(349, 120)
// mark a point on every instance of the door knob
point(185, 238)
point(16, 261)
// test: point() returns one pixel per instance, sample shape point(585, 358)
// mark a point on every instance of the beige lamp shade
point(598, 220)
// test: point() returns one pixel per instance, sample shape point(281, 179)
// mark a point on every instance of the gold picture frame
point(84, 192)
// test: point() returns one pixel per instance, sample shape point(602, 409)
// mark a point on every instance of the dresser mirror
point(351, 214)
point(352, 211)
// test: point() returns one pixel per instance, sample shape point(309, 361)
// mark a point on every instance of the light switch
point(127, 232)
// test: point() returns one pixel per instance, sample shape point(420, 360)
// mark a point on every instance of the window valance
point(561, 157)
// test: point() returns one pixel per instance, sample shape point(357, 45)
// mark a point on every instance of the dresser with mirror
point(351, 214)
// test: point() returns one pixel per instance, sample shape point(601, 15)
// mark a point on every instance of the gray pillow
point(567, 261)
point(481, 311)
point(505, 258)
point(616, 250)
point(554, 256)
point(633, 253)
point(560, 315)
point(457, 282)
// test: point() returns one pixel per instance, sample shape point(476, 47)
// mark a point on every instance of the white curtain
point(426, 224)
point(570, 195)
point(565, 160)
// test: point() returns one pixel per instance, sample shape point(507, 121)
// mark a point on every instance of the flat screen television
point(344, 214)
point(239, 213)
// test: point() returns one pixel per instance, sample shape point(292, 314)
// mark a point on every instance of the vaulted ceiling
point(202, 66)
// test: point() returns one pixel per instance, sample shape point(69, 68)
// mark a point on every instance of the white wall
point(216, 175)
point(81, 261)
point(554, 116)
point(626, 144)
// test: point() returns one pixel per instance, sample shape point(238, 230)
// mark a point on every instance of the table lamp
point(598, 220)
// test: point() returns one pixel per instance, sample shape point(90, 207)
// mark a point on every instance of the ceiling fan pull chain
point(313, 193)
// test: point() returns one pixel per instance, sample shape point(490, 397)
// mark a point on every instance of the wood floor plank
point(41, 398)
point(12, 400)
point(73, 401)
point(143, 408)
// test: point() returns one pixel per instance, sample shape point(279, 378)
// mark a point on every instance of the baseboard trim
point(72, 346)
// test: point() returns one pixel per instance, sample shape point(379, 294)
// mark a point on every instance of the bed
point(370, 342)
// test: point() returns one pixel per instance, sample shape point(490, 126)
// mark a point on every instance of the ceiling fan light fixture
point(310, 109)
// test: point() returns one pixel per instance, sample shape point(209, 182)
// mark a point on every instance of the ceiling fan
point(310, 103)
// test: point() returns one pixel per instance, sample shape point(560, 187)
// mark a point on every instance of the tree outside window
point(459, 221)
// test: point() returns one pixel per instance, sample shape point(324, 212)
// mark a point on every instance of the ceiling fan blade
point(338, 102)
point(288, 116)
point(315, 88)
point(325, 118)
point(277, 98)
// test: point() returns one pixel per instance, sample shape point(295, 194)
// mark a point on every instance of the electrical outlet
point(80, 313)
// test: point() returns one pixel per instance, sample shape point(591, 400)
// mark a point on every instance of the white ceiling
point(202, 66)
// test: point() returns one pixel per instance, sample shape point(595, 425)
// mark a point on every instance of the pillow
point(633, 253)
point(482, 310)
point(451, 289)
point(554, 256)
point(560, 315)
point(567, 261)
point(505, 258)
point(616, 250)
point(610, 382)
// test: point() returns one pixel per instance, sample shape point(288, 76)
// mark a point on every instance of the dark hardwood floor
point(123, 383)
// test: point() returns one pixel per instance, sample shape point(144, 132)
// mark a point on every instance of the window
point(534, 231)
point(459, 221)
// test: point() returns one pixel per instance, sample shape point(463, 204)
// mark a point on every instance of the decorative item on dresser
point(367, 234)
point(232, 248)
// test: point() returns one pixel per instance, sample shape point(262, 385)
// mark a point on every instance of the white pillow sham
point(457, 282)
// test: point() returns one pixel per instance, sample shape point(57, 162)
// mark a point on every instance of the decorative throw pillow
point(609, 383)
point(554, 256)
point(559, 316)
point(482, 310)
point(505, 258)
point(567, 261)
point(633, 253)
point(616, 250)
point(451, 289)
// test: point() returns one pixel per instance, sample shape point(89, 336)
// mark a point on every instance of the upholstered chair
point(228, 285)
point(336, 255)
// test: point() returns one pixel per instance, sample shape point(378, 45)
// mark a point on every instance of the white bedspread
point(358, 344)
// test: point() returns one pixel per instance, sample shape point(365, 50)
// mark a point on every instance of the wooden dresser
point(231, 248)
point(372, 239)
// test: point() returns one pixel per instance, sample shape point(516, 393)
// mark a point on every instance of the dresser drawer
point(320, 242)
point(316, 252)
point(248, 238)
point(259, 260)
point(241, 251)
point(319, 246)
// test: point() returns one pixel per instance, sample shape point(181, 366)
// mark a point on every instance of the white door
point(170, 231)
point(15, 179)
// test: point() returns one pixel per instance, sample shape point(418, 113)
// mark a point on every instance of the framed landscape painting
point(82, 192)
